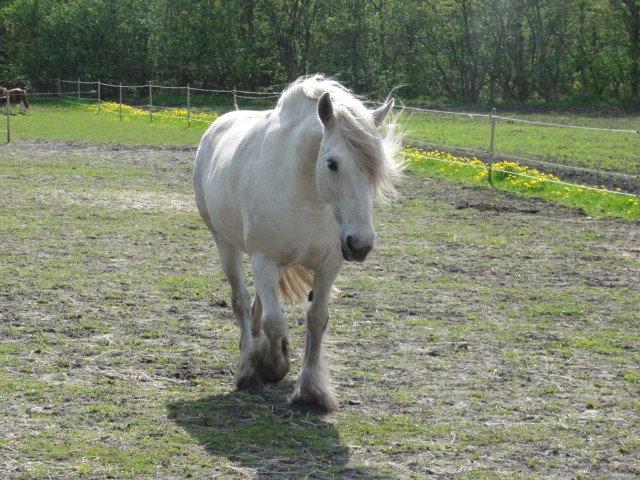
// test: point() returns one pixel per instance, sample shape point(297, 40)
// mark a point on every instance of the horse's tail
point(296, 283)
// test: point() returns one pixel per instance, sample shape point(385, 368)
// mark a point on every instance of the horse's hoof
point(250, 384)
point(260, 363)
point(322, 400)
point(269, 372)
point(246, 378)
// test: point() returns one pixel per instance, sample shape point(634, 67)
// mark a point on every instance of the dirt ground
point(488, 336)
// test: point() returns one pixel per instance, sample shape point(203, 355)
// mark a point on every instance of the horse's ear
point(381, 113)
point(325, 110)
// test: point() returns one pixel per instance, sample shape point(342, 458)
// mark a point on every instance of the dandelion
point(166, 115)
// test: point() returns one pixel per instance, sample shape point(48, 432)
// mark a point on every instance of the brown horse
point(15, 95)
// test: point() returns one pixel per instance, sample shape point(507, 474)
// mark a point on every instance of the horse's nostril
point(350, 242)
point(353, 248)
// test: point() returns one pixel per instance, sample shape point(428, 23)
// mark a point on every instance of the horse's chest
point(291, 235)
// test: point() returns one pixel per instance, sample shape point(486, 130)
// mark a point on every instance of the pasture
point(593, 149)
point(599, 150)
point(488, 336)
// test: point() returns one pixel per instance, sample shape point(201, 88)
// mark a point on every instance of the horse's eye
point(332, 164)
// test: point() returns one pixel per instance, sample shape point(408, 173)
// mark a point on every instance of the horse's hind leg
point(313, 384)
point(231, 260)
point(268, 358)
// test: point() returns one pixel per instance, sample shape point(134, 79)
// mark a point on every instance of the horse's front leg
point(231, 260)
point(268, 357)
point(313, 384)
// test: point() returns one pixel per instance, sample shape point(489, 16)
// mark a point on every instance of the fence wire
point(273, 93)
point(516, 120)
point(443, 112)
point(562, 125)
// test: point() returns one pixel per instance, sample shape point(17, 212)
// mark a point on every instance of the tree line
point(460, 50)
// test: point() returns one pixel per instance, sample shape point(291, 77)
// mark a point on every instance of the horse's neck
point(305, 148)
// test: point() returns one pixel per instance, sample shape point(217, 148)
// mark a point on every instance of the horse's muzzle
point(353, 250)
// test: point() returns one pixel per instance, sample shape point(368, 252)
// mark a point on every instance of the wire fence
point(628, 179)
point(158, 100)
point(505, 156)
point(149, 89)
point(518, 120)
point(617, 148)
point(563, 125)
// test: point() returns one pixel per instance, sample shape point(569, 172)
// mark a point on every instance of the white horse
point(292, 187)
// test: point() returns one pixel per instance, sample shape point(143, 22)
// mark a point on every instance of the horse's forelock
point(376, 155)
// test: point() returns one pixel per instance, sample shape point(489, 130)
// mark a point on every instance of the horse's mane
point(376, 154)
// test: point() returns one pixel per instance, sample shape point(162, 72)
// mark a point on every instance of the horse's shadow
point(263, 433)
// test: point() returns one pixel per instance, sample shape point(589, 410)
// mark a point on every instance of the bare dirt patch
point(488, 207)
point(124, 199)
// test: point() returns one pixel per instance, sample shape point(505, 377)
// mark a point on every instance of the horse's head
point(352, 166)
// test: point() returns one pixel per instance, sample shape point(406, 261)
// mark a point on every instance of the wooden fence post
point(188, 105)
point(150, 102)
point(78, 92)
point(120, 97)
point(492, 119)
point(235, 99)
point(59, 88)
point(99, 91)
point(8, 108)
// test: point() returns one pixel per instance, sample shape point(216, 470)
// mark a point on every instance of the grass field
point(584, 148)
point(489, 336)
point(62, 122)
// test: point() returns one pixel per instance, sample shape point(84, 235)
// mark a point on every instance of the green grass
point(596, 202)
point(58, 122)
point(584, 148)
